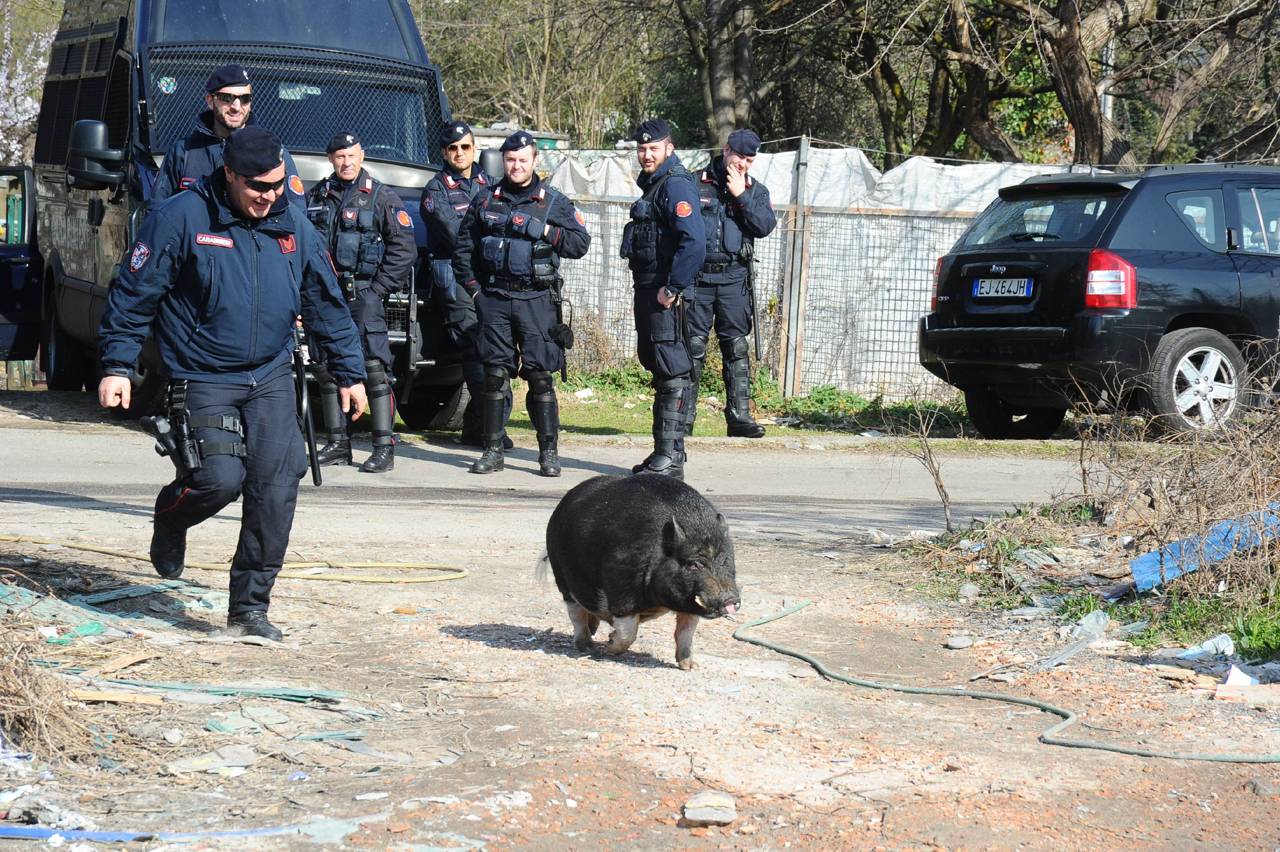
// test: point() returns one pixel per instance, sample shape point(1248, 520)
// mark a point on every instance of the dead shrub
point(36, 711)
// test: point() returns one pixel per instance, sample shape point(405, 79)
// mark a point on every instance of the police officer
point(218, 275)
point(664, 244)
point(735, 212)
point(509, 248)
point(228, 104)
point(445, 199)
point(370, 238)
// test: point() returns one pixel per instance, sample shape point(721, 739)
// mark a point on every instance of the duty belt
point(518, 285)
point(713, 268)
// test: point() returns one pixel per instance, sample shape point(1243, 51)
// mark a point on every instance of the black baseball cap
point(651, 130)
point(745, 142)
point(454, 131)
point(517, 140)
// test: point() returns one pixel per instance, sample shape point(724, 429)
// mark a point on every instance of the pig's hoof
point(686, 665)
point(584, 645)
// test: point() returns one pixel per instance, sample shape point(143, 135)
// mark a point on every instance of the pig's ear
point(721, 522)
point(674, 535)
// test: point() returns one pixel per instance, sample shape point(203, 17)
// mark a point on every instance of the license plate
point(1001, 288)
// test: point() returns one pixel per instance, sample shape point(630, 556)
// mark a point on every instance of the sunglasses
point(227, 99)
point(264, 185)
point(465, 146)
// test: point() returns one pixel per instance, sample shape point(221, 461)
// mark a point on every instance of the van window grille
point(304, 96)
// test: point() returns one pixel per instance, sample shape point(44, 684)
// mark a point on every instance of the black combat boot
point(497, 385)
point(668, 455)
point(337, 449)
point(382, 413)
point(737, 390)
point(544, 411)
point(698, 354)
point(253, 623)
point(168, 550)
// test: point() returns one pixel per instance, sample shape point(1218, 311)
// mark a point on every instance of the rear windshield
point(1053, 220)
point(370, 26)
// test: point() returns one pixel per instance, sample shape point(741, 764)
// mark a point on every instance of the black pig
point(626, 549)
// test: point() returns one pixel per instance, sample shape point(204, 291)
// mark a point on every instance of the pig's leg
point(584, 625)
point(686, 623)
point(624, 633)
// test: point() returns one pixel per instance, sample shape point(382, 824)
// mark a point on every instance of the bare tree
point(26, 31)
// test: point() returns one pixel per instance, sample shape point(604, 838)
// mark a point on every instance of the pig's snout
point(716, 605)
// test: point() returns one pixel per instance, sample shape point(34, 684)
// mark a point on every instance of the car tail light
point(937, 282)
point(1112, 282)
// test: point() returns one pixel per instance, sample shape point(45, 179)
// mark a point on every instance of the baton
point(304, 408)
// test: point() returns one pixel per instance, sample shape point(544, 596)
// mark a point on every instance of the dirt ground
point(467, 720)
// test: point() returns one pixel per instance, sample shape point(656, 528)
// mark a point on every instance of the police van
point(126, 78)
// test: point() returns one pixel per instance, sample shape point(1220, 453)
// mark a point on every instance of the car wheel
point(1196, 380)
point(438, 407)
point(997, 420)
point(65, 366)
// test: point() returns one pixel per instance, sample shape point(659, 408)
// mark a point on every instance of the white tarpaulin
point(836, 179)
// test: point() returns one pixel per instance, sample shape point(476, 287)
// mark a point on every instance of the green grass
point(1180, 619)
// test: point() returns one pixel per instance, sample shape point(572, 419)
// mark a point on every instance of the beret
point(517, 140)
point(454, 131)
point(744, 142)
point(226, 75)
point(341, 139)
point(651, 130)
point(252, 151)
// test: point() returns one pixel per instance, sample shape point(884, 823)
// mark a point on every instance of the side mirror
point(90, 163)
point(491, 164)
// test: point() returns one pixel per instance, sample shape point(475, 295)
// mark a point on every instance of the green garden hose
point(1050, 736)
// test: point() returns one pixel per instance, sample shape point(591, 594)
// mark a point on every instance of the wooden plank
point(119, 663)
point(115, 697)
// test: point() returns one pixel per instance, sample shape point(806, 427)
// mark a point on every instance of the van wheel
point(437, 407)
point(1196, 380)
point(997, 420)
point(65, 366)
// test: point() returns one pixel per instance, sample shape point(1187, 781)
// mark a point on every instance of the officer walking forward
point(664, 244)
point(370, 238)
point(219, 275)
point(509, 247)
point(735, 213)
point(228, 104)
point(445, 200)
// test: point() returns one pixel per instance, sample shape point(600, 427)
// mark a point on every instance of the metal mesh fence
point(863, 280)
point(304, 96)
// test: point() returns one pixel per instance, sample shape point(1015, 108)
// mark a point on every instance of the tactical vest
point(512, 261)
point(645, 245)
point(350, 226)
point(726, 243)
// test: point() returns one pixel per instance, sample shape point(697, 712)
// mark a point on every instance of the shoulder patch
point(683, 209)
point(295, 185)
point(139, 256)
point(402, 217)
point(429, 203)
point(582, 220)
point(287, 244)
point(214, 240)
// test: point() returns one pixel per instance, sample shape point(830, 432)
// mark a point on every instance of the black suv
point(1159, 290)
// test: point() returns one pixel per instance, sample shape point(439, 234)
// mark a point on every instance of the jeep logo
point(999, 270)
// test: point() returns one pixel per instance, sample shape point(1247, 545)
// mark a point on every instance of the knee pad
point(698, 348)
point(734, 349)
point(495, 379)
point(540, 382)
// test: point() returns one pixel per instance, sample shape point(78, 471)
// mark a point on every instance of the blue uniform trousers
point(516, 333)
point(660, 336)
point(729, 305)
point(267, 476)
